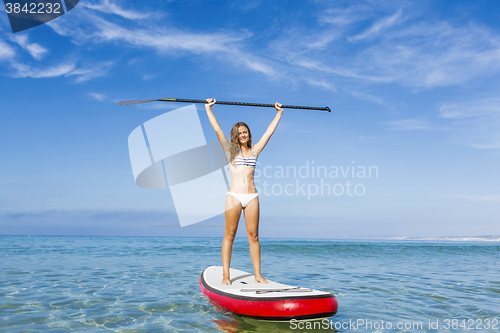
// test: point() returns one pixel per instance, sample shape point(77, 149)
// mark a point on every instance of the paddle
point(325, 108)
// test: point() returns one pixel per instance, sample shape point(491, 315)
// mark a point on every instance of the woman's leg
point(233, 213)
point(252, 223)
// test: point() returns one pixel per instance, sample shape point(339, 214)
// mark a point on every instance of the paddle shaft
point(325, 108)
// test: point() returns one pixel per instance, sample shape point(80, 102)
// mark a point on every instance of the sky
point(413, 87)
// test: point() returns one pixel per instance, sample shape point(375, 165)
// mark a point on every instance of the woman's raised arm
point(270, 130)
point(213, 121)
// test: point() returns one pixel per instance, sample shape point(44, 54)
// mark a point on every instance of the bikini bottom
point(244, 198)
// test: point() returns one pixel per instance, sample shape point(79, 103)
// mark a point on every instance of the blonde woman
point(242, 195)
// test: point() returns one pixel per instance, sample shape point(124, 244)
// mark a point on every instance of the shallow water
point(140, 284)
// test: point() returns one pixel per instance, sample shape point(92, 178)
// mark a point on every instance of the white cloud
point(421, 53)
point(365, 96)
point(322, 84)
point(343, 17)
point(167, 41)
point(223, 45)
point(64, 69)
point(110, 7)
point(98, 96)
point(482, 132)
point(322, 40)
point(470, 109)
point(251, 62)
point(23, 71)
point(432, 55)
point(410, 125)
point(382, 24)
point(493, 145)
point(37, 51)
point(93, 71)
point(88, 27)
point(6, 52)
point(339, 71)
point(147, 77)
point(476, 123)
point(479, 197)
point(251, 4)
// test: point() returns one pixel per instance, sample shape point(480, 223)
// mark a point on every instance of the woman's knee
point(253, 237)
point(230, 235)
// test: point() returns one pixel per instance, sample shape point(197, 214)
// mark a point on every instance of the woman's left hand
point(277, 106)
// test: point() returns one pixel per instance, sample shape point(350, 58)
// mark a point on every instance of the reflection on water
point(239, 324)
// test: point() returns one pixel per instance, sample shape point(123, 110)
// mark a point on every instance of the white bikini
point(251, 162)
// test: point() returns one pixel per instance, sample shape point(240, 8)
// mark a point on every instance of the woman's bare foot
point(260, 279)
point(226, 281)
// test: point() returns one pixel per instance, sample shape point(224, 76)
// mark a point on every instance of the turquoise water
point(134, 284)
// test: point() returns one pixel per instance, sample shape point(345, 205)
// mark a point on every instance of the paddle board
point(266, 301)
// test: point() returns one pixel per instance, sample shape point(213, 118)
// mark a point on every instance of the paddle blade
point(151, 100)
point(136, 102)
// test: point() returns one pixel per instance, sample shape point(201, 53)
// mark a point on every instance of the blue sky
point(413, 87)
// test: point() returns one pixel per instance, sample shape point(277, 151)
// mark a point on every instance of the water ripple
point(127, 284)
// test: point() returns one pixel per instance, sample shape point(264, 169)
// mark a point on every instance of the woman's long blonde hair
point(235, 146)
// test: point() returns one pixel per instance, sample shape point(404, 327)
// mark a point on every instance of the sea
point(151, 284)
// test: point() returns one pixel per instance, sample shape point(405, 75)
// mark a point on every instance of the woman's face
point(243, 135)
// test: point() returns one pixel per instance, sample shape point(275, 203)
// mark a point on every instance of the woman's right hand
point(278, 107)
point(210, 102)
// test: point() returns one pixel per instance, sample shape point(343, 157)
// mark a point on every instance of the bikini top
point(246, 161)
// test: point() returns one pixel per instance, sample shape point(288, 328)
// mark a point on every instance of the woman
point(242, 193)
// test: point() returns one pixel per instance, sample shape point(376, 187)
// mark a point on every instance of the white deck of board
point(247, 286)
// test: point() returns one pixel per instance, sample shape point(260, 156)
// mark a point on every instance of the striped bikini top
point(246, 161)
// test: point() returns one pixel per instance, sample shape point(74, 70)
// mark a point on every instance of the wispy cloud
point(318, 66)
point(98, 96)
point(23, 71)
point(421, 53)
point(493, 145)
point(322, 83)
point(252, 62)
point(110, 7)
point(433, 55)
point(166, 41)
point(248, 4)
point(378, 26)
point(70, 68)
point(89, 27)
point(365, 96)
point(479, 197)
point(88, 72)
point(147, 77)
point(6, 51)
point(322, 40)
point(35, 50)
point(343, 17)
point(484, 107)
point(225, 46)
point(479, 132)
point(476, 123)
point(410, 125)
